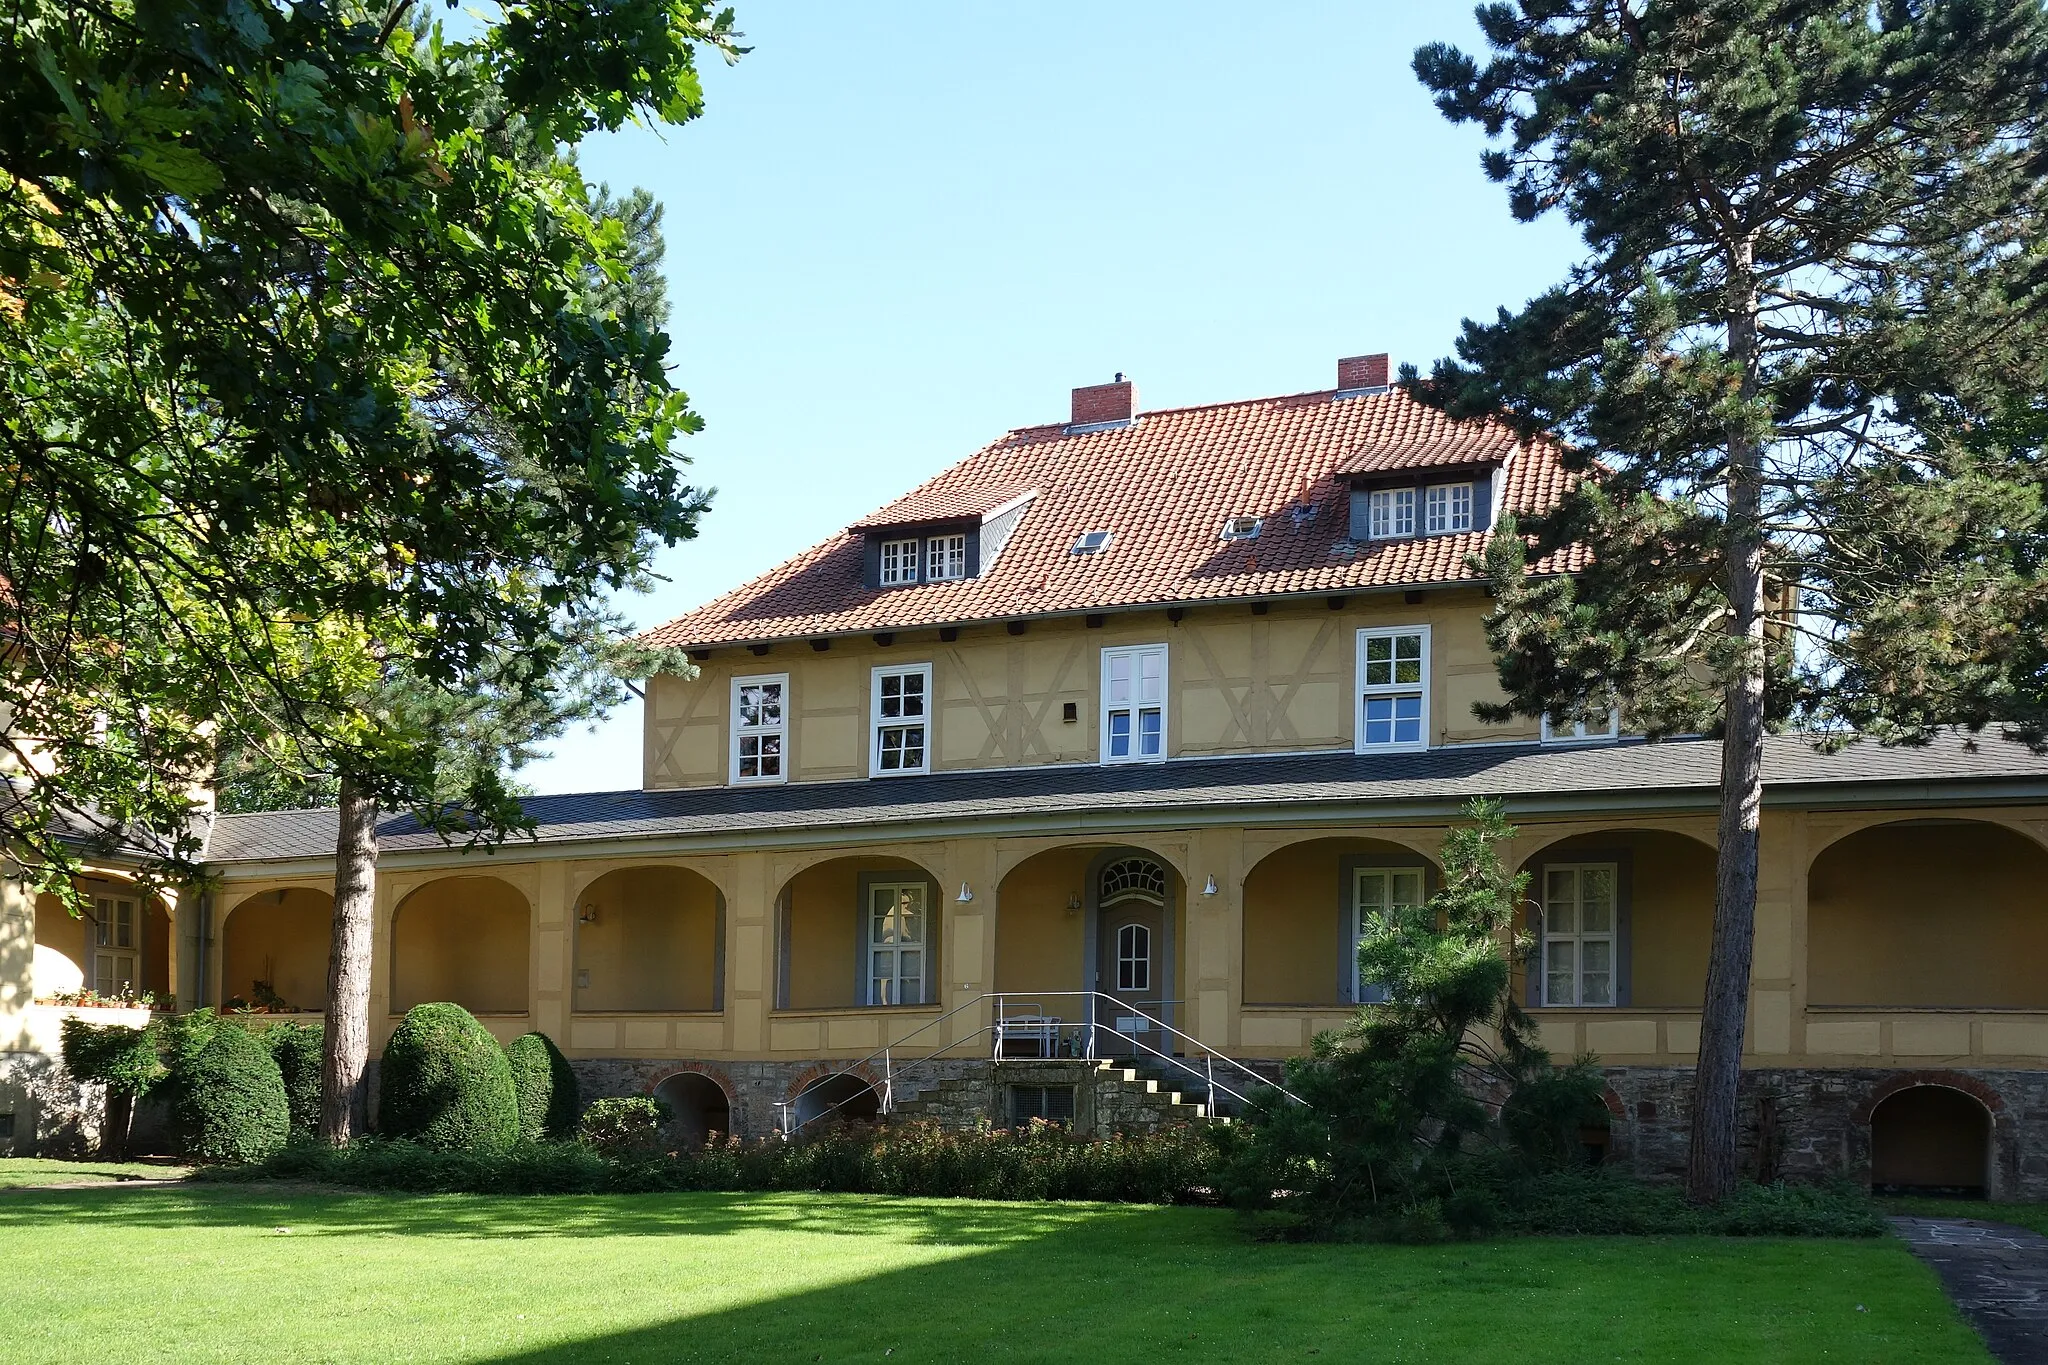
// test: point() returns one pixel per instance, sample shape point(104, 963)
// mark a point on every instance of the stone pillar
point(1779, 883)
point(969, 936)
point(750, 964)
point(552, 984)
point(1215, 928)
point(17, 956)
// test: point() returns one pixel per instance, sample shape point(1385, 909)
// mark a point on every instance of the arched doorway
point(699, 1109)
point(1133, 902)
point(648, 940)
point(1930, 1139)
point(461, 939)
point(839, 1098)
point(274, 949)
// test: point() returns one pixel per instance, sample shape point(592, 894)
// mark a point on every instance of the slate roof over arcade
point(1164, 484)
point(1629, 777)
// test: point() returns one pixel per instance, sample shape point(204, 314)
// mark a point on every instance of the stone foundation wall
point(1813, 1124)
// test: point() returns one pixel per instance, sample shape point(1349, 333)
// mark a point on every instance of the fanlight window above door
point(1133, 879)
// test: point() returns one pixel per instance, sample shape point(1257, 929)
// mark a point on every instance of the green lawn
point(2033, 1216)
point(26, 1170)
point(239, 1273)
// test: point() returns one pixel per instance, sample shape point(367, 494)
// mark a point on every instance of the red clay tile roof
point(1164, 484)
point(934, 503)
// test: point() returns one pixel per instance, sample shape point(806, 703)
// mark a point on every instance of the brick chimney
point(1116, 401)
point(1360, 372)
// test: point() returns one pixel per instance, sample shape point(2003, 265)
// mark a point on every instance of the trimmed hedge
point(1043, 1162)
point(296, 1050)
point(446, 1083)
point(544, 1086)
point(229, 1103)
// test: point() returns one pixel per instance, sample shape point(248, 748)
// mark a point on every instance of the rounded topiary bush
point(229, 1103)
point(544, 1087)
point(445, 1082)
point(296, 1050)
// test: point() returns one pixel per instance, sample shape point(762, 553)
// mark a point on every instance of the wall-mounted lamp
point(588, 914)
point(965, 894)
point(1074, 904)
point(1209, 887)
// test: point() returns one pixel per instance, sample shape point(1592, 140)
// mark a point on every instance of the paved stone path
point(1997, 1275)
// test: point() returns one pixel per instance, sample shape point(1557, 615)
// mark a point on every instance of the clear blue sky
point(897, 233)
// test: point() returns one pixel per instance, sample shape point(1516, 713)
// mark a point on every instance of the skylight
point(1242, 528)
point(1090, 542)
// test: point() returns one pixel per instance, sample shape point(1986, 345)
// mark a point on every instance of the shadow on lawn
point(315, 1211)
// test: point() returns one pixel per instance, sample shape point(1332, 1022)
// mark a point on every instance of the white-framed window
point(898, 921)
point(1392, 513)
point(1447, 507)
point(1578, 933)
point(1578, 732)
point(117, 946)
point(1134, 704)
point(1090, 543)
point(900, 720)
point(1393, 688)
point(899, 562)
point(1375, 892)
point(1134, 958)
point(760, 728)
point(1243, 528)
point(945, 558)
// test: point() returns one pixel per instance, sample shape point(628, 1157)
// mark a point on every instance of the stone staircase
point(1108, 1096)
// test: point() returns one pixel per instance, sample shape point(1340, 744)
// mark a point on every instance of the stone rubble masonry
point(958, 1092)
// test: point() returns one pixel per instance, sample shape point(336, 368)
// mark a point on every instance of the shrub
point(296, 1050)
point(445, 1082)
point(544, 1086)
point(121, 1058)
point(1590, 1201)
point(624, 1127)
point(1041, 1162)
point(230, 1104)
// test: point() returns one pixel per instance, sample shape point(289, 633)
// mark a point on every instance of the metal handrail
point(994, 1028)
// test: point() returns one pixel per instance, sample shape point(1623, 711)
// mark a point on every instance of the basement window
point(1090, 542)
point(1051, 1103)
point(1242, 528)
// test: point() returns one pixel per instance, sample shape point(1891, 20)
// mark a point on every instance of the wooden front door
point(1131, 957)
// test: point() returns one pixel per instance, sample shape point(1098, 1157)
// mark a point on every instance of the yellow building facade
point(1105, 744)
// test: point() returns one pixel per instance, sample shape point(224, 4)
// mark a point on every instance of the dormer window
point(1090, 542)
point(1447, 507)
point(1242, 528)
point(899, 563)
point(1393, 513)
point(945, 558)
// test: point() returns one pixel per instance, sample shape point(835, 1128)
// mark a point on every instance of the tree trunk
point(345, 1051)
point(120, 1117)
point(1711, 1168)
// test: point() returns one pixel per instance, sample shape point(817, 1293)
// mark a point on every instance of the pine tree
point(1811, 296)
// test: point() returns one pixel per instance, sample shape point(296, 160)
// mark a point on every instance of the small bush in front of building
point(445, 1082)
point(1592, 1202)
point(229, 1103)
point(624, 1127)
point(296, 1050)
point(544, 1085)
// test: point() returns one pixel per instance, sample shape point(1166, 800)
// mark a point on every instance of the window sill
point(646, 1014)
point(841, 1011)
point(1926, 1009)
